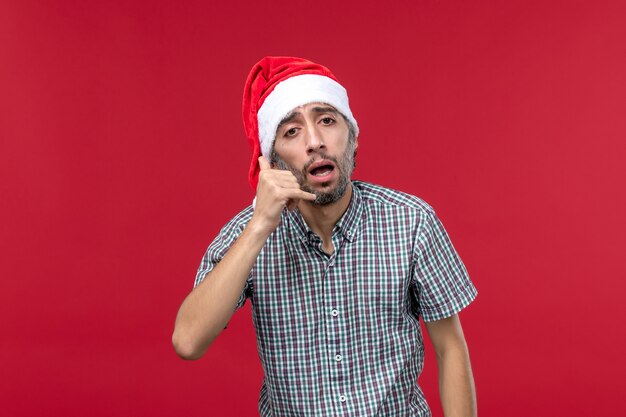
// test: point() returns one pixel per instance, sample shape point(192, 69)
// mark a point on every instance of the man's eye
point(291, 132)
point(328, 120)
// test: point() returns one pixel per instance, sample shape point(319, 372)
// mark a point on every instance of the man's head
point(318, 145)
point(277, 91)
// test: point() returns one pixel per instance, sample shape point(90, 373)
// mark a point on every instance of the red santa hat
point(277, 85)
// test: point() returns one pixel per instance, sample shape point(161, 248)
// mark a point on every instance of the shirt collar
point(348, 224)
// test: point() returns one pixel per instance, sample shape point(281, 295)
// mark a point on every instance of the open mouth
point(322, 170)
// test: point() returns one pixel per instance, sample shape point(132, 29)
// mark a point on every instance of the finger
point(263, 163)
point(277, 173)
point(303, 195)
point(280, 175)
point(286, 182)
point(281, 178)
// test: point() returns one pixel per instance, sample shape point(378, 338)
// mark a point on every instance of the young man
point(338, 271)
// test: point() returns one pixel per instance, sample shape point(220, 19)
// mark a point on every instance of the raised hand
point(276, 190)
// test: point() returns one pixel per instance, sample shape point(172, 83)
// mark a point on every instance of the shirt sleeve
point(441, 282)
point(218, 249)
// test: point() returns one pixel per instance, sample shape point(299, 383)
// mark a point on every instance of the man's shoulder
point(384, 196)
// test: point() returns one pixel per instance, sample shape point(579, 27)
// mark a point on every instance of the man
point(338, 271)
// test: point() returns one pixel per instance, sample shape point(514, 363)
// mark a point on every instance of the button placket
point(336, 344)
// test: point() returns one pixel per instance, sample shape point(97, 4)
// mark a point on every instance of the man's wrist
point(259, 228)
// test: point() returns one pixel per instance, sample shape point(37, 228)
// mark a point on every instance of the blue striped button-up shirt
point(339, 335)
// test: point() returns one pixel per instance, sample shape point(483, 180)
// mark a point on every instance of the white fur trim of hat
point(297, 91)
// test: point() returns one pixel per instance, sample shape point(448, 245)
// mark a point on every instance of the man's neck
point(322, 219)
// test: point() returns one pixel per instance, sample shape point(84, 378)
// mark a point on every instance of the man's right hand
point(207, 309)
point(276, 190)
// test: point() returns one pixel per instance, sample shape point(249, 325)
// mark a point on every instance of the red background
point(122, 154)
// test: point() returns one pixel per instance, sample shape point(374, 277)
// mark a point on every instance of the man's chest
point(363, 287)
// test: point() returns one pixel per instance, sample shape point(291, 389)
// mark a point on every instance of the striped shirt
point(339, 335)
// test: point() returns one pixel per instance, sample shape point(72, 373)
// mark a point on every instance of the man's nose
point(315, 141)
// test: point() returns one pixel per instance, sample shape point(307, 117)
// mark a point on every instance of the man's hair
point(351, 130)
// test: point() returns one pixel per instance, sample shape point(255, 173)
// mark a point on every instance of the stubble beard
point(345, 164)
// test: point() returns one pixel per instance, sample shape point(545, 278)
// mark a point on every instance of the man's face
point(314, 142)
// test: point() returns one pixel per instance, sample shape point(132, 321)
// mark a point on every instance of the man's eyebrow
point(325, 109)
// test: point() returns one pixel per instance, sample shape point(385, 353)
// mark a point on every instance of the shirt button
point(335, 313)
point(338, 358)
point(342, 398)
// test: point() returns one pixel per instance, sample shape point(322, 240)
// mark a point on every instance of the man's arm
point(208, 308)
point(456, 383)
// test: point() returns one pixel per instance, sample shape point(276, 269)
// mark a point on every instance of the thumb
point(263, 163)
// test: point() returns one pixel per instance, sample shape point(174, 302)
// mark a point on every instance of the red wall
point(122, 153)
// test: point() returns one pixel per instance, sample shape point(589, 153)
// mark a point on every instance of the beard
point(345, 164)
